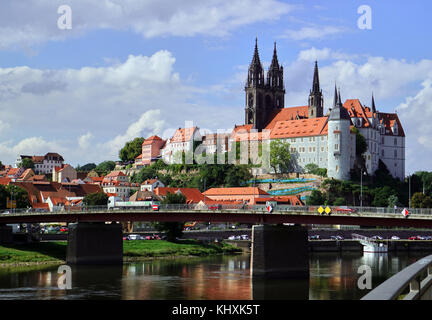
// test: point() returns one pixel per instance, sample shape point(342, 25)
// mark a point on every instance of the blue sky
point(135, 68)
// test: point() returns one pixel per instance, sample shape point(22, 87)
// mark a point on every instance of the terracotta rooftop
point(183, 134)
point(193, 195)
point(299, 128)
point(235, 191)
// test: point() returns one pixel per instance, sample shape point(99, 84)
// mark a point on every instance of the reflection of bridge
point(370, 244)
point(280, 251)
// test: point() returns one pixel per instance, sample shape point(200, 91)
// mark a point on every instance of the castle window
point(337, 168)
point(395, 153)
point(336, 147)
point(395, 141)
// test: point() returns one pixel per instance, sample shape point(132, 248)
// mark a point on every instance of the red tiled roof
point(115, 173)
point(40, 206)
point(151, 140)
point(299, 128)
point(183, 134)
point(5, 181)
point(389, 119)
point(287, 114)
point(235, 191)
point(193, 195)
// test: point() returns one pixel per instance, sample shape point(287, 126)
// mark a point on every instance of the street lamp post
point(361, 189)
point(409, 191)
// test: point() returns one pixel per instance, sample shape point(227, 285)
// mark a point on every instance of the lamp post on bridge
point(361, 188)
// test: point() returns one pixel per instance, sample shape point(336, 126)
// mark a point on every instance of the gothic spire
point(335, 101)
point(316, 84)
point(373, 104)
point(275, 62)
point(256, 60)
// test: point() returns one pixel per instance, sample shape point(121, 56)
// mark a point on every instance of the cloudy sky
point(128, 68)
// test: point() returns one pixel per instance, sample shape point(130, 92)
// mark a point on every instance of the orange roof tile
point(389, 119)
point(287, 114)
point(299, 128)
point(235, 191)
point(151, 140)
point(193, 195)
point(183, 134)
point(357, 110)
point(5, 181)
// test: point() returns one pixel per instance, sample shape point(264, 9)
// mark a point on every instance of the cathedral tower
point(263, 97)
point(316, 101)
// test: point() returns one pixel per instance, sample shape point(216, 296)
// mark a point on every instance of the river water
point(332, 276)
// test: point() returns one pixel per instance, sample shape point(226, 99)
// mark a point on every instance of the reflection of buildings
point(215, 278)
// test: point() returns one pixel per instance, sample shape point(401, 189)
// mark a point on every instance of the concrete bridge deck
point(234, 215)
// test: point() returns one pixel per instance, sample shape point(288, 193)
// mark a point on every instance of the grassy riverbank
point(55, 252)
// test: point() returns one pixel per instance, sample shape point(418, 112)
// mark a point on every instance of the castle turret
point(339, 136)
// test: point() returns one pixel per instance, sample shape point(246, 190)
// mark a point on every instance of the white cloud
point(27, 22)
point(416, 116)
point(313, 33)
point(89, 113)
point(324, 54)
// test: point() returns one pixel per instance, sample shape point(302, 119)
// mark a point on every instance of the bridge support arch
point(94, 243)
point(279, 251)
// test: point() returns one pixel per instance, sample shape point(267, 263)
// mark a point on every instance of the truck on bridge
point(118, 203)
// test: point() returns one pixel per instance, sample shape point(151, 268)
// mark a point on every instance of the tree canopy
point(131, 150)
point(105, 167)
point(96, 199)
point(26, 163)
point(280, 156)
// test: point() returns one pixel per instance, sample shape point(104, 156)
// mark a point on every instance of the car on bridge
point(344, 209)
point(415, 238)
point(134, 237)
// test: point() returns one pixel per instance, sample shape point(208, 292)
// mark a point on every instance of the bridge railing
point(225, 207)
point(412, 283)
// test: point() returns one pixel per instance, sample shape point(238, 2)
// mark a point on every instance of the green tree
point(313, 168)
point(392, 201)
point(280, 156)
point(419, 200)
point(361, 144)
point(26, 163)
point(96, 199)
point(131, 150)
point(173, 230)
point(86, 167)
point(105, 167)
point(14, 193)
point(316, 198)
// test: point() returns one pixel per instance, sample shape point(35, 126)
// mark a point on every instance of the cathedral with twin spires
point(324, 139)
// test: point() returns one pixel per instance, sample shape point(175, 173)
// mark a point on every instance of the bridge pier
point(5, 233)
point(95, 243)
point(279, 251)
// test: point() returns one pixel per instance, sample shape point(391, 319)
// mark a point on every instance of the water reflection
point(332, 276)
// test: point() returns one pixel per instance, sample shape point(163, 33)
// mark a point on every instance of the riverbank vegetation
point(55, 252)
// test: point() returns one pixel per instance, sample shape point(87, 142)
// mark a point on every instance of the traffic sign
point(155, 207)
point(405, 212)
point(269, 209)
point(321, 210)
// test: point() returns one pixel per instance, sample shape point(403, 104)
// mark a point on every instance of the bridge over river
point(278, 250)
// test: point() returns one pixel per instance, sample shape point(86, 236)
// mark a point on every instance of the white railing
point(412, 283)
